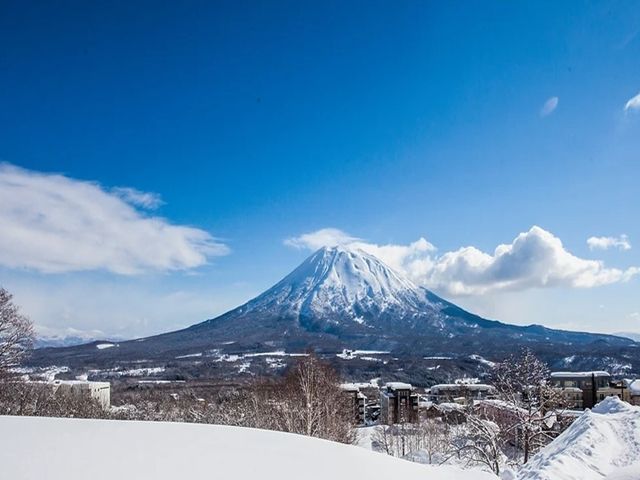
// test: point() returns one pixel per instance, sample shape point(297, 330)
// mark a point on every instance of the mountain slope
point(345, 298)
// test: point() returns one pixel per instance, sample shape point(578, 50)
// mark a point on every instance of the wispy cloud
point(534, 259)
point(549, 106)
point(605, 243)
point(633, 103)
point(631, 36)
point(147, 200)
point(52, 223)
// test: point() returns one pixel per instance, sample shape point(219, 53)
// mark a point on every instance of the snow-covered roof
point(462, 386)
point(634, 386)
point(350, 387)
point(596, 373)
point(80, 383)
point(450, 407)
point(398, 386)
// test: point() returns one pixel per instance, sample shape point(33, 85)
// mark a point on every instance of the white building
point(100, 391)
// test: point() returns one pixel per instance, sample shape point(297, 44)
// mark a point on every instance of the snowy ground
point(34, 448)
point(602, 444)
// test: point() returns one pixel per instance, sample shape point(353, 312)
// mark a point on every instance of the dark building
point(398, 403)
point(357, 401)
point(588, 382)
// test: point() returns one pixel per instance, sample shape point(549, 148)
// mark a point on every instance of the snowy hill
point(34, 448)
point(603, 443)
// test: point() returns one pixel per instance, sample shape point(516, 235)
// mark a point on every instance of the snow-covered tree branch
point(16, 334)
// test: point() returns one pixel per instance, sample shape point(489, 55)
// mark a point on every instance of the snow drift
point(603, 443)
point(33, 448)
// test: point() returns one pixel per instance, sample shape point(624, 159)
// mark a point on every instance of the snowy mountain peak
point(342, 282)
point(354, 269)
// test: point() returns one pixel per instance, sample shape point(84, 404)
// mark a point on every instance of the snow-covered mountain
point(345, 298)
point(344, 284)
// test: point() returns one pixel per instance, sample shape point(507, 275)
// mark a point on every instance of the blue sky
point(257, 122)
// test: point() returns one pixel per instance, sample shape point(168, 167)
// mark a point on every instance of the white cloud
point(549, 106)
point(535, 258)
point(52, 223)
point(100, 306)
point(325, 237)
point(633, 103)
point(399, 257)
point(604, 243)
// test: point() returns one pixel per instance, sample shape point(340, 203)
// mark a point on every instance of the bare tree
point(16, 334)
point(308, 400)
point(478, 442)
point(314, 404)
point(406, 439)
point(434, 437)
point(384, 439)
point(523, 383)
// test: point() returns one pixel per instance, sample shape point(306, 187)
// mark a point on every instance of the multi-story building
point(357, 401)
point(573, 397)
point(588, 382)
point(462, 393)
point(398, 403)
point(618, 388)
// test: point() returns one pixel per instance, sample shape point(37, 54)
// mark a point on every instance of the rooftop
point(461, 386)
point(80, 382)
point(596, 373)
point(398, 386)
point(350, 387)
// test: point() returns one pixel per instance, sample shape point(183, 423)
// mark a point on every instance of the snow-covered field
point(33, 448)
point(603, 443)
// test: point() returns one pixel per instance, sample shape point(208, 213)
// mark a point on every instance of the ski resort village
point(330, 240)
